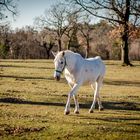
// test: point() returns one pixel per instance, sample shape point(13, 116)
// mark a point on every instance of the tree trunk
point(48, 54)
point(125, 49)
point(125, 36)
point(49, 49)
point(59, 44)
point(87, 50)
point(68, 46)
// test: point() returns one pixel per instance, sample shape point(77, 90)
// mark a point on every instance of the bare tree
point(56, 19)
point(86, 29)
point(7, 6)
point(46, 39)
point(120, 13)
point(72, 30)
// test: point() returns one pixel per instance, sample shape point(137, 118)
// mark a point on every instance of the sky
point(29, 9)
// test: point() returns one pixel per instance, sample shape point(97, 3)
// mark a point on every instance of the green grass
point(32, 104)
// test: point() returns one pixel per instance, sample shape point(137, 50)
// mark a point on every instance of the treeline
point(69, 25)
point(28, 43)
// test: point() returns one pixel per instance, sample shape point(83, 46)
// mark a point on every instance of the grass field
point(32, 104)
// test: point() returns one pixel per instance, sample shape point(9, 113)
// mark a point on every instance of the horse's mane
point(69, 52)
point(66, 53)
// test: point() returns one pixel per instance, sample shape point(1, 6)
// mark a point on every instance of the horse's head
point(60, 63)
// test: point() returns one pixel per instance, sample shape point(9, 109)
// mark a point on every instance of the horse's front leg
point(76, 111)
point(71, 93)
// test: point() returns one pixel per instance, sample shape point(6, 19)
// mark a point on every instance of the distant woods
point(66, 26)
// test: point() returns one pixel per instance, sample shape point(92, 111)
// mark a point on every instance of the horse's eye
point(62, 62)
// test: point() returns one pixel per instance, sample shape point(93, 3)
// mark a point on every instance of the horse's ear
point(54, 53)
point(63, 53)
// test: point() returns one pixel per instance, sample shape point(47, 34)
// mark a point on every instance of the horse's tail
point(98, 57)
point(102, 65)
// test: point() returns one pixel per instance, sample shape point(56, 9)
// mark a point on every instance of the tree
point(4, 40)
point(56, 19)
point(7, 6)
point(73, 42)
point(120, 13)
point(86, 32)
point(73, 17)
point(46, 40)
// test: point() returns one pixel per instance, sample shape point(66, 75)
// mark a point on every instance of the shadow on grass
point(122, 83)
point(118, 119)
point(63, 80)
point(32, 67)
point(119, 63)
point(26, 61)
point(23, 78)
point(107, 105)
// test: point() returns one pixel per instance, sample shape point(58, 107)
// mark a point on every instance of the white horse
point(79, 71)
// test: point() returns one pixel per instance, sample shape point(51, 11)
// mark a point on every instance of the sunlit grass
point(32, 104)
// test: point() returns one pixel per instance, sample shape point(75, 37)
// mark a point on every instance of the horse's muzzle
point(57, 78)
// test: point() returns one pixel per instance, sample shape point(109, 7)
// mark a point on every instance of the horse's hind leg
point(76, 111)
point(98, 84)
point(100, 104)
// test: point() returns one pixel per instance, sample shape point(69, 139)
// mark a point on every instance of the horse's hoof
point(66, 112)
point(91, 111)
point(76, 112)
point(101, 109)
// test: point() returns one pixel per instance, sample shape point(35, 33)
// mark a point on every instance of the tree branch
point(89, 9)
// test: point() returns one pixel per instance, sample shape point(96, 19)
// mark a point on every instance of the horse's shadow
point(122, 82)
point(30, 67)
point(23, 78)
point(107, 105)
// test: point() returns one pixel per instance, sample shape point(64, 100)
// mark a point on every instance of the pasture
point(32, 104)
